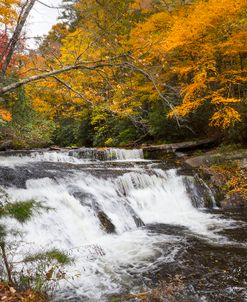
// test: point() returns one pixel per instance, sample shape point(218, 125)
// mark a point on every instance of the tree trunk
point(6, 263)
point(16, 35)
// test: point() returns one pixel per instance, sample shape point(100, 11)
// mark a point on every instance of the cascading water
point(102, 213)
point(79, 156)
point(123, 154)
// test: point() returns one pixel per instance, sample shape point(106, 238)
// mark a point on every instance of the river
point(127, 223)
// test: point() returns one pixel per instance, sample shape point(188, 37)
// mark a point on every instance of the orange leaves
point(238, 183)
point(202, 46)
point(194, 51)
point(185, 108)
point(220, 100)
point(224, 117)
point(9, 294)
point(234, 177)
point(8, 11)
point(183, 70)
point(147, 38)
point(188, 26)
point(5, 115)
point(191, 95)
point(198, 84)
point(236, 44)
point(203, 16)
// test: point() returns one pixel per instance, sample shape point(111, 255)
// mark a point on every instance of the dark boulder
point(106, 223)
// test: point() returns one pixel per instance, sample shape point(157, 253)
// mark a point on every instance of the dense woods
point(122, 73)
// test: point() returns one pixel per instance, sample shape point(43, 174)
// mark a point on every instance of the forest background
point(123, 73)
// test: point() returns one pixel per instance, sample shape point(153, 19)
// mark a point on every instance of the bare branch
point(72, 89)
point(49, 6)
point(53, 73)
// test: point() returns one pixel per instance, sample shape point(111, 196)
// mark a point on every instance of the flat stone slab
point(218, 158)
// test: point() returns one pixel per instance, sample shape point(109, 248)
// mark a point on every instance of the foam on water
point(74, 227)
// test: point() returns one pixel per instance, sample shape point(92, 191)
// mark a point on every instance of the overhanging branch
point(53, 73)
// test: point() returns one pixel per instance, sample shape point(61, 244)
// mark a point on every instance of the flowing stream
point(127, 223)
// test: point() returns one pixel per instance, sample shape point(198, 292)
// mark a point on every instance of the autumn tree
point(141, 61)
point(203, 47)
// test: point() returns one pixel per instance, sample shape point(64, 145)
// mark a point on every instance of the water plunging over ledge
point(124, 220)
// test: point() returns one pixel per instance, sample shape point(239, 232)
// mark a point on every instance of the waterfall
point(77, 156)
point(124, 154)
point(129, 202)
point(22, 159)
point(210, 193)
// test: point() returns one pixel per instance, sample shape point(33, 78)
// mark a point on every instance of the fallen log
point(183, 146)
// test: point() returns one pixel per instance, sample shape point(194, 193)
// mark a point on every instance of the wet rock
point(85, 198)
point(234, 200)
point(218, 184)
point(89, 153)
point(106, 223)
point(139, 223)
point(196, 191)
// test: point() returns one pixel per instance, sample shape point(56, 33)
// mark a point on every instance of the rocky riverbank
point(225, 174)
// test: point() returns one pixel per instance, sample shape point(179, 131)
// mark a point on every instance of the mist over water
point(131, 194)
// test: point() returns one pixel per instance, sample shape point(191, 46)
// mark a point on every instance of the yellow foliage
point(74, 47)
point(219, 100)
point(234, 177)
point(204, 45)
point(224, 117)
point(199, 84)
point(109, 142)
point(199, 49)
point(150, 35)
point(8, 11)
point(5, 115)
point(203, 16)
point(236, 44)
point(185, 108)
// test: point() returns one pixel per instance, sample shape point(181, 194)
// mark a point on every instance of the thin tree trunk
point(16, 35)
point(6, 263)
